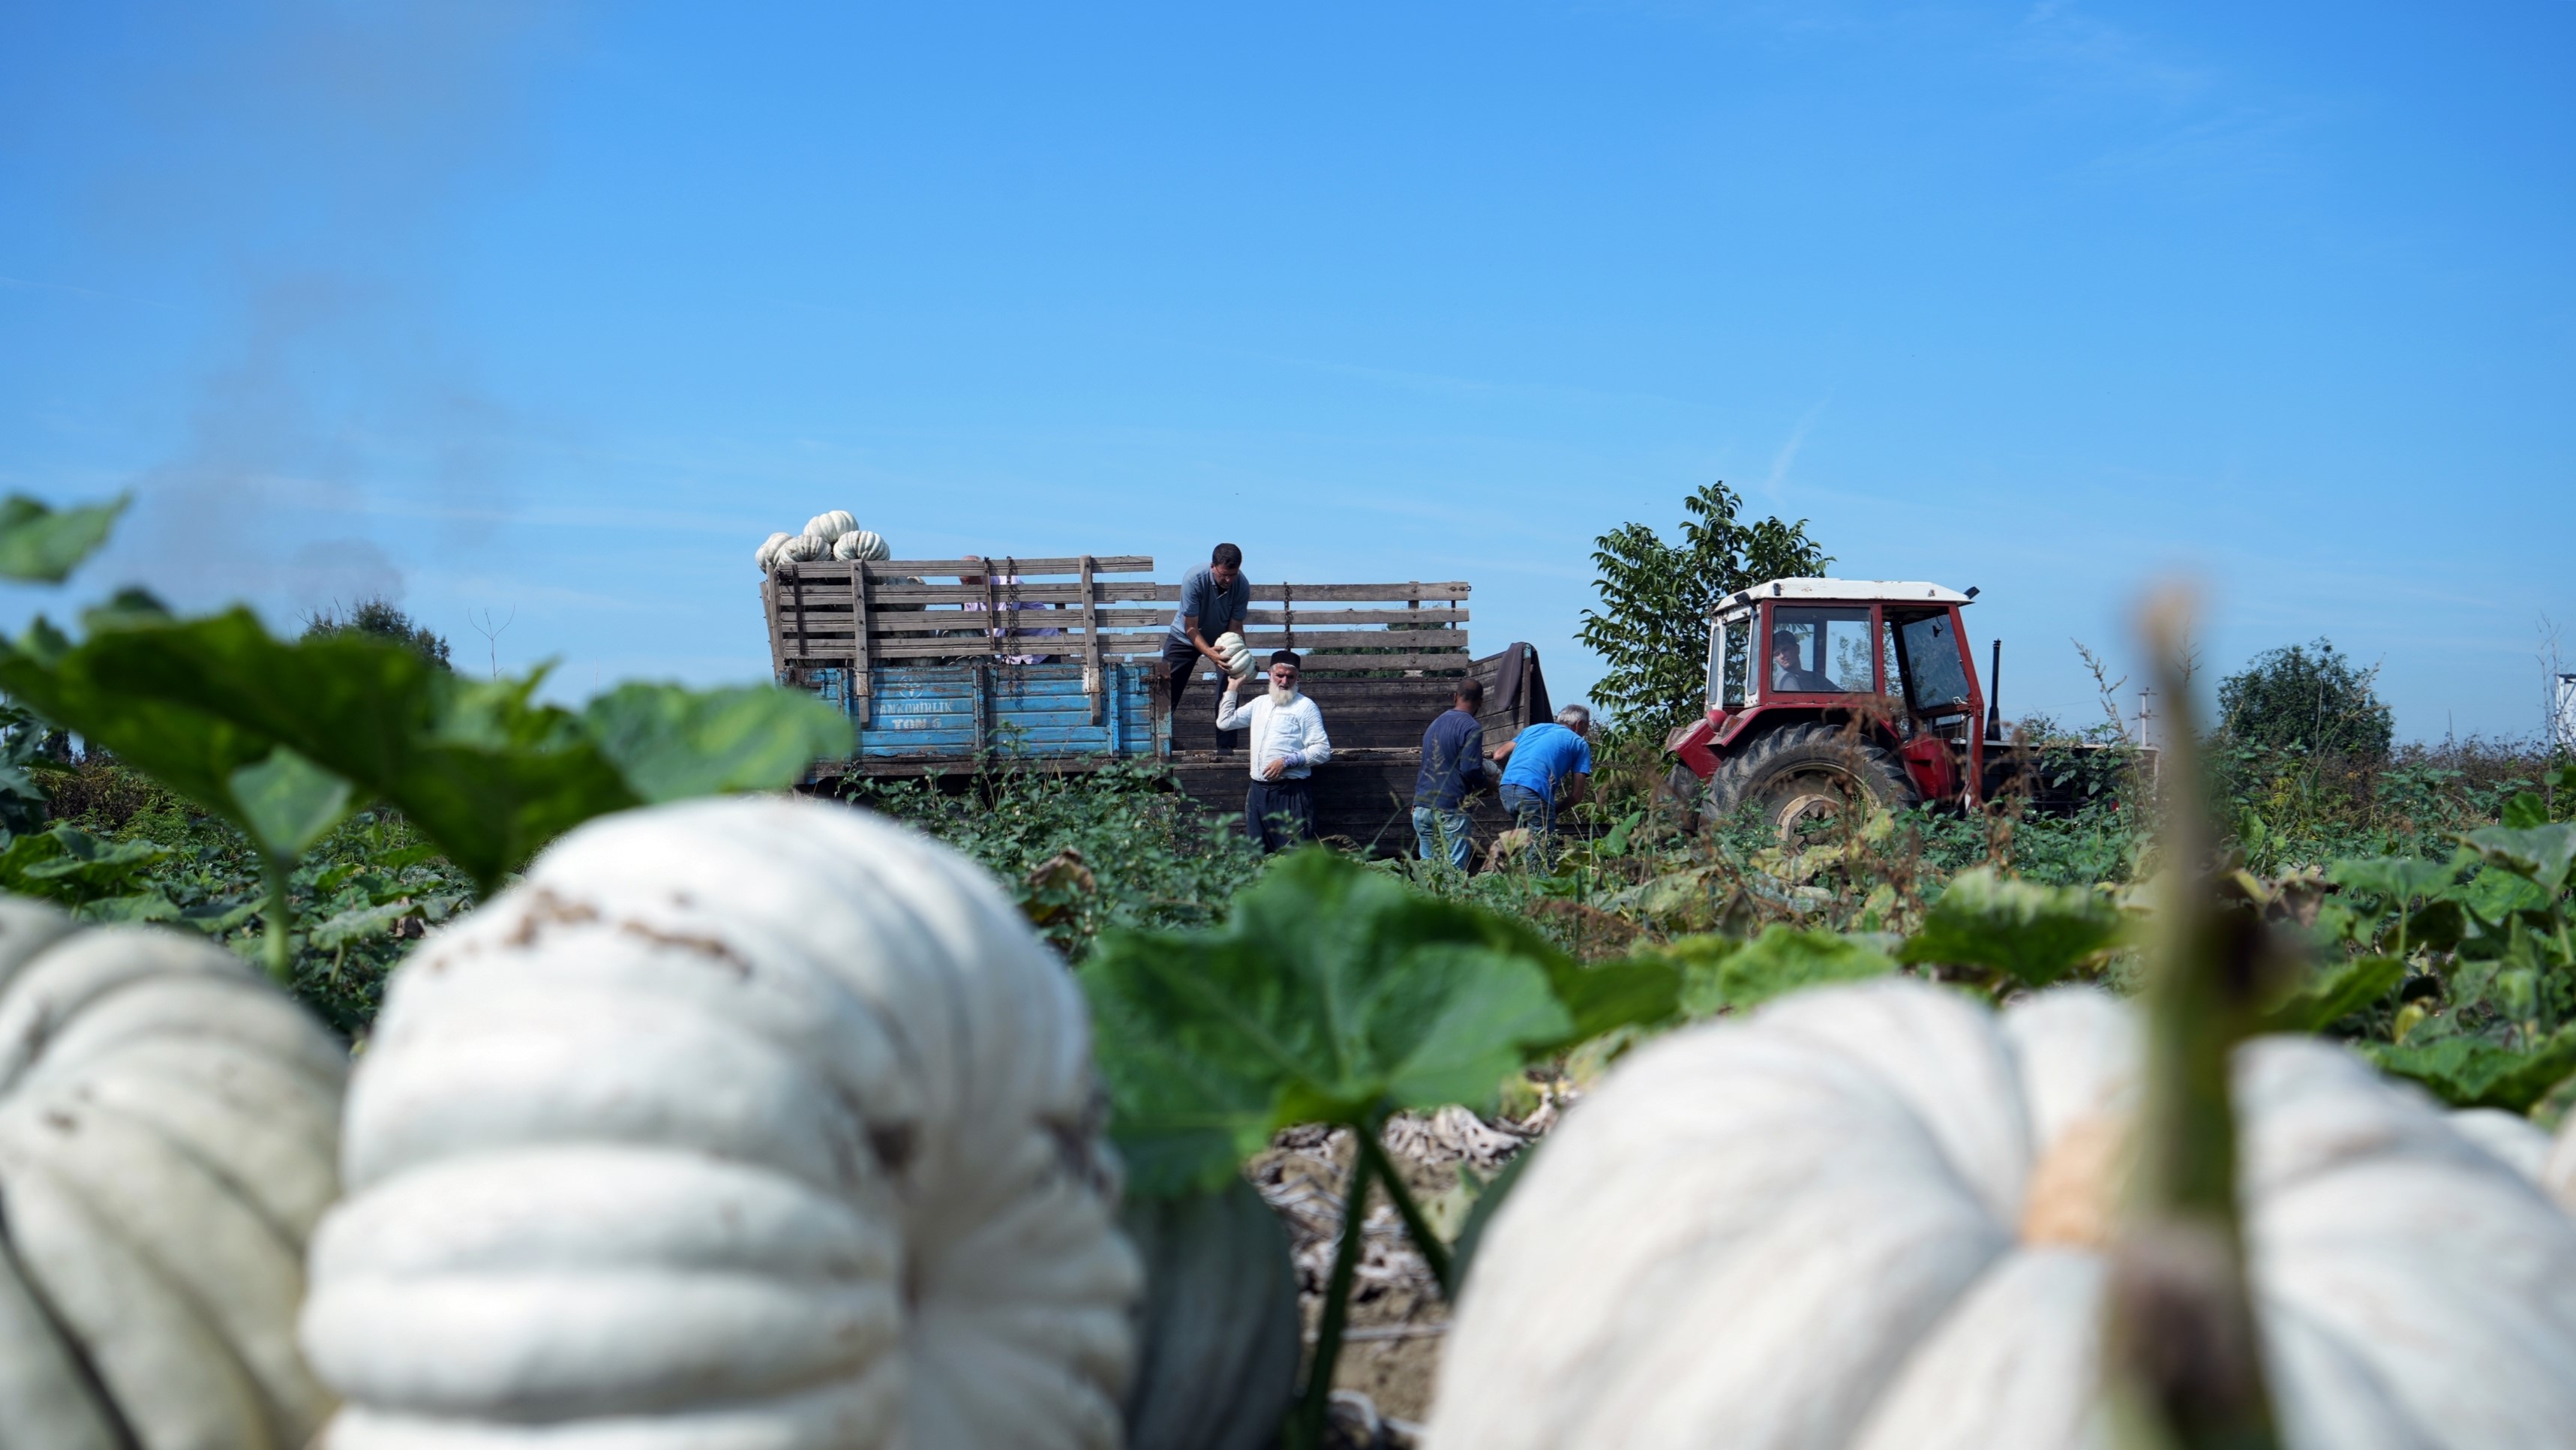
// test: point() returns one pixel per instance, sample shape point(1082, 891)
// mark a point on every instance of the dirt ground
point(1392, 1343)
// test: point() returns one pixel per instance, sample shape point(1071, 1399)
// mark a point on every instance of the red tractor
point(1826, 695)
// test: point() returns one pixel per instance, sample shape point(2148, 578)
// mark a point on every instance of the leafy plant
point(1656, 598)
point(42, 545)
point(380, 618)
point(2305, 697)
point(1335, 995)
point(2028, 934)
point(283, 740)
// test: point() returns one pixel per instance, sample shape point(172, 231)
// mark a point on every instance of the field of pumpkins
point(736, 1121)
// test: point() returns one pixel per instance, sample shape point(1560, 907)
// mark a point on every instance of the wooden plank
point(1069, 564)
point(860, 661)
point(1091, 643)
point(1413, 614)
point(901, 591)
point(1303, 641)
point(1362, 593)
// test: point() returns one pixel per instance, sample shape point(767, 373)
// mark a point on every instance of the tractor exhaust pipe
point(1995, 695)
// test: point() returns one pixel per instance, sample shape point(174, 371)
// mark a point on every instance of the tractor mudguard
point(1689, 744)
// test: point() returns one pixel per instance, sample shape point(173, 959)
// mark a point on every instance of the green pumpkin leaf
point(71, 866)
point(2525, 810)
point(672, 743)
point(1334, 994)
point(42, 545)
point(483, 772)
point(289, 802)
point(2033, 934)
point(2339, 992)
point(2396, 880)
point(2470, 1072)
point(1723, 975)
point(2541, 853)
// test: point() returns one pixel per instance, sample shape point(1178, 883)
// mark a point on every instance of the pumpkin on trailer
point(862, 545)
point(168, 1127)
point(749, 1122)
point(768, 554)
point(1876, 1217)
point(830, 526)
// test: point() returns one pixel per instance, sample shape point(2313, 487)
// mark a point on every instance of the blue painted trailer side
point(919, 712)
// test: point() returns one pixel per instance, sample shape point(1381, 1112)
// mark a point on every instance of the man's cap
point(1286, 657)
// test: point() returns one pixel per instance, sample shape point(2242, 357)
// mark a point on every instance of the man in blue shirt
point(1214, 600)
point(1549, 765)
point(1453, 763)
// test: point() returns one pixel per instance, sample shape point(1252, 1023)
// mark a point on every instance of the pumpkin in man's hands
point(738, 1123)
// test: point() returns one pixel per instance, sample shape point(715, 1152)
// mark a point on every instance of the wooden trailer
point(1057, 663)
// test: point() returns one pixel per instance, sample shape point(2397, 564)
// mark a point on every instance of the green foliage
point(671, 743)
point(2033, 935)
point(2336, 993)
point(1719, 974)
point(1082, 854)
point(1656, 599)
point(2469, 1072)
point(73, 868)
point(2308, 698)
point(42, 545)
point(380, 618)
point(1334, 994)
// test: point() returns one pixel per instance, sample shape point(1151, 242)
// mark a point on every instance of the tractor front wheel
point(1811, 782)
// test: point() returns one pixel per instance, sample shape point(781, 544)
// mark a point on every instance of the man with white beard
point(1287, 744)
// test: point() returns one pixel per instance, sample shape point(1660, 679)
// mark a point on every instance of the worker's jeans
point(1533, 813)
point(1278, 814)
point(1444, 835)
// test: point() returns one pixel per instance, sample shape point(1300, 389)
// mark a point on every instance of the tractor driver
point(1787, 674)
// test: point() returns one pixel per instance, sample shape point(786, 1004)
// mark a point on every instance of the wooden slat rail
point(839, 614)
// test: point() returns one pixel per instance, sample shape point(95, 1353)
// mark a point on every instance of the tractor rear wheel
point(1811, 782)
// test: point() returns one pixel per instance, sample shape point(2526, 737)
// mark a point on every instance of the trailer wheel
point(1806, 779)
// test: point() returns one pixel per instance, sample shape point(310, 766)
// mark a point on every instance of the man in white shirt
point(1287, 744)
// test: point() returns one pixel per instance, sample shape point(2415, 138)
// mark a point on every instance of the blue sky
point(545, 315)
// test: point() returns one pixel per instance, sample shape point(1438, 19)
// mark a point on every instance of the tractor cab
point(1823, 691)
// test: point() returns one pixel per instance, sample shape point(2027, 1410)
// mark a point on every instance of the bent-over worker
point(1214, 601)
point(1288, 742)
point(1549, 765)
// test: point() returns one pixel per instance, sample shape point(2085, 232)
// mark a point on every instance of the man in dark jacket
point(1453, 763)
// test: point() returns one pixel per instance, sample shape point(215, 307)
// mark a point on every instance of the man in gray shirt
point(1213, 601)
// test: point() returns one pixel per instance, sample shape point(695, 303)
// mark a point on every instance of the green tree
point(2307, 697)
point(379, 618)
point(1656, 599)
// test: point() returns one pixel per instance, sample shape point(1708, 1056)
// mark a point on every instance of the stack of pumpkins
point(833, 535)
point(744, 1124)
point(767, 1125)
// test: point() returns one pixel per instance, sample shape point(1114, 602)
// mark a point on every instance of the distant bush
point(381, 619)
point(2306, 697)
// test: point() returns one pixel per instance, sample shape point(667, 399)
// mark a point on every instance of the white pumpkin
point(168, 1125)
point(862, 545)
point(801, 549)
point(746, 1123)
point(768, 553)
point(2523, 1144)
point(830, 526)
point(1236, 654)
point(1874, 1216)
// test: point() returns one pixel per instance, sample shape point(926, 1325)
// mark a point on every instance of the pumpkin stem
point(281, 960)
point(1416, 1227)
point(1315, 1402)
point(2183, 1366)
